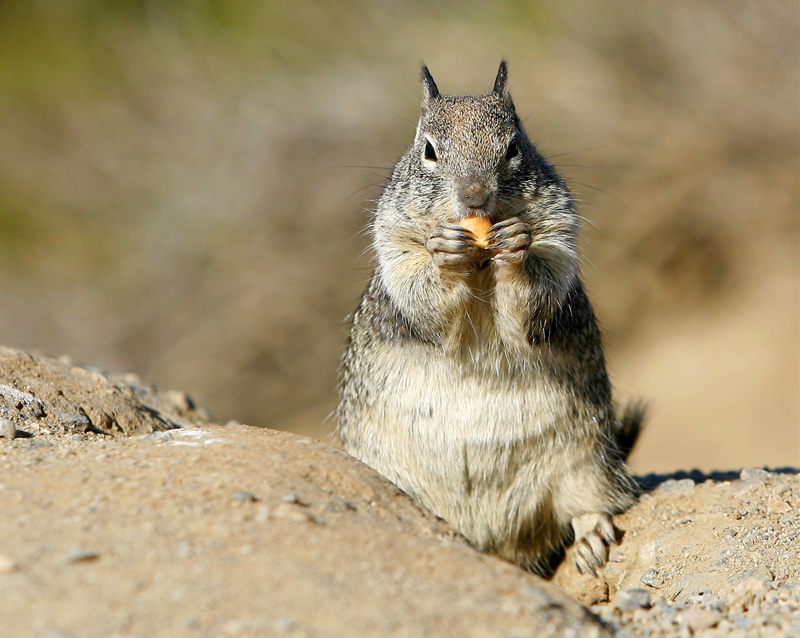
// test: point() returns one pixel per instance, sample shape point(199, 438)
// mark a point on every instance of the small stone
point(36, 409)
point(663, 608)
point(684, 487)
point(287, 511)
point(747, 593)
point(771, 598)
point(39, 443)
point(72, 420)
point(754, 474)
point(699, 619)
point(262, 514)
point(132, 379)
point(7, 565)
point(80, 555)
point(179, 400)
point(776, 504)
point(733, 513)
point(241, 495)
point(652, 578)
point(157, 436)
point(763, 573)
point(7, 429)
point(631, 599)
point(295, 499)
point(234, 628)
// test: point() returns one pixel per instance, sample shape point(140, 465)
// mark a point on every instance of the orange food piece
point(478, 226)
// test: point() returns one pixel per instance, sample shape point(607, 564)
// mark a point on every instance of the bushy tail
point(630, 427)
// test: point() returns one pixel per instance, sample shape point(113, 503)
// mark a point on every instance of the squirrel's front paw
point(453, 248)
point(593, 534)
point(509, 241)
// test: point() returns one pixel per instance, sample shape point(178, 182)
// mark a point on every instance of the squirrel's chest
point(434, 399)
point(487, 333)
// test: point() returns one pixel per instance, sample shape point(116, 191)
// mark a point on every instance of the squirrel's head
point(473, 148)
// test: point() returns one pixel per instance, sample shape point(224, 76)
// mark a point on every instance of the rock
point(241, 495)
point(754, 474)
point(174, 547)
point(7, 429)
point(748, 594)
point(72, 420)
point(295, 499)
point(722, 547)
point(82, 555)
point(699, 619)
point(180, 401)
point(7, 565)
point(682, 487)
point(631, 599)
point(62, 396)
point(652, 578)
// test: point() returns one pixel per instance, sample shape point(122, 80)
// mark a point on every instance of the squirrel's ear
point(501, 83)
point(430, 92)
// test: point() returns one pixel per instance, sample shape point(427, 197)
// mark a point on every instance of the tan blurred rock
point(322, 547)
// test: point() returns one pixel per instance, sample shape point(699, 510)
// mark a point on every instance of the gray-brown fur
point(475, 378)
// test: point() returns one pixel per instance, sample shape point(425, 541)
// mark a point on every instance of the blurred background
point(183, 187)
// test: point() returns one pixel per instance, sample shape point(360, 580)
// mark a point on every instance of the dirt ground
point(225, 531)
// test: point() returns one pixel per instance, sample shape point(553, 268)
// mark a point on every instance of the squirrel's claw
point(452, 247)
point(593, 534)
point(509, 240)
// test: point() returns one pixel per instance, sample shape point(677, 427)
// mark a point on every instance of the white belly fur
point(464, 442)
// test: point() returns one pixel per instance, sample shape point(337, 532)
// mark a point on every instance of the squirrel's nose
point(473, 195)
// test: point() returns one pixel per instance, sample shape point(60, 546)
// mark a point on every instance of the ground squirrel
point(474, 378)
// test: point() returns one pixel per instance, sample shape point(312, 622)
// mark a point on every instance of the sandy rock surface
point(46, 396)
point(241, 531)
point(187, 528)
point(710, 555)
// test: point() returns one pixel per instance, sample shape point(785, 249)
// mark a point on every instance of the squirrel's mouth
point(494, 209)
point(478, 212)
point(487, 208)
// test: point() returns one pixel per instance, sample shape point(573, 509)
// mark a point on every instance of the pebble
point(777, 504)
point(7, 565)
point(81, 555)
point(7, 429)
point(683, 487)
point(754, 474)
point(652, 578)
point(286, 511)
point(71, 419)
point(157, 436)
point(181, 401)
point(38, 443)
point(241, 495)
point(698, 619)
point(631, 599)
point(295, 499)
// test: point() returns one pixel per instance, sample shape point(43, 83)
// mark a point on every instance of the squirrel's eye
point(430, 152)
point(513, 150)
